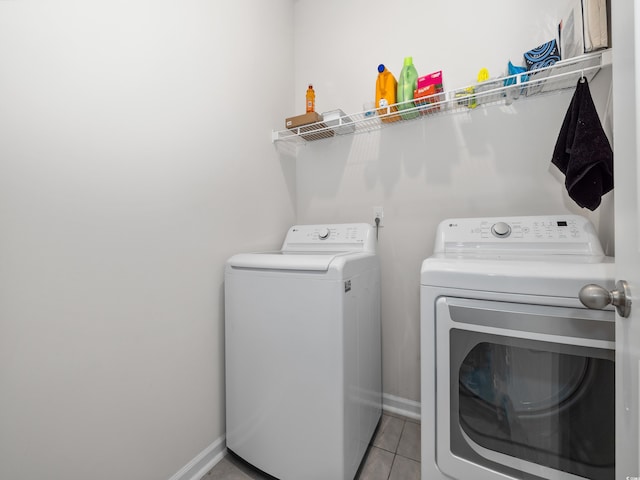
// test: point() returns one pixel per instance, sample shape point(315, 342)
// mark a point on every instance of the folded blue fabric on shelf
point(513, 71)
point(543, 56)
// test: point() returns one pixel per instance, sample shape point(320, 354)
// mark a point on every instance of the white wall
point(135, 157)
point(492, 161)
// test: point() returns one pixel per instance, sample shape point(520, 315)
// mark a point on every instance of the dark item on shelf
point(583, 152)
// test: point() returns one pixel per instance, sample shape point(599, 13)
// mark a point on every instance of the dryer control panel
point(534, 235)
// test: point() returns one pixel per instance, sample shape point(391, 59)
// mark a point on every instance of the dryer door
point(528, 391)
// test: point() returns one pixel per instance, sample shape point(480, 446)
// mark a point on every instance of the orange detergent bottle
point(386, 86)
point(311, 99)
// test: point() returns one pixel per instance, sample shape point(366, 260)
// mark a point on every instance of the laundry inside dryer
point(517, 379)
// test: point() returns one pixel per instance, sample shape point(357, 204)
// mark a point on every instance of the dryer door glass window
point(542, 403)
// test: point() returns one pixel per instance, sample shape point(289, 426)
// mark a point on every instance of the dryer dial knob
point(324, 233)
point(501, 230)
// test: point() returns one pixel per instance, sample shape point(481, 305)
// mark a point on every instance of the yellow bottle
point(386, 87)
point(311, 99)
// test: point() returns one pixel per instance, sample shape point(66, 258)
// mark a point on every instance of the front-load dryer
point(303, 353)
point(517, 376)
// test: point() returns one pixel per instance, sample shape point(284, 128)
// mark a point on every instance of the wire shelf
point(504, 90)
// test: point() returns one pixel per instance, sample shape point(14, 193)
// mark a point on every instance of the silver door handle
point(597, 297)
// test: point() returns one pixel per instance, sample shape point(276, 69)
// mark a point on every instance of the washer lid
point(280, 260)
point(312, 248)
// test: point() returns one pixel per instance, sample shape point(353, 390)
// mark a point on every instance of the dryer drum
point(546, 407)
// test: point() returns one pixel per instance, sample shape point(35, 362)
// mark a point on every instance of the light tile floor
point(394, 454)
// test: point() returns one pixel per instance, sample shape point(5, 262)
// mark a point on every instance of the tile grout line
point(404, 425)
point(391, 469)
point(395, 453)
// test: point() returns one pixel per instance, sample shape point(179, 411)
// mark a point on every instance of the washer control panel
point(333, 237)
point(566, 234)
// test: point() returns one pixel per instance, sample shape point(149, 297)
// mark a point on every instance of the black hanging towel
point(583, 152)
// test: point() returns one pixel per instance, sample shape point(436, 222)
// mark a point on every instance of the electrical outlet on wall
point(378, 212)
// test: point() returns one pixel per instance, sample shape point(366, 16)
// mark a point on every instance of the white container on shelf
point(339, 122)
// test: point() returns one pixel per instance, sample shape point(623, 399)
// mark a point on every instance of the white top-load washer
point(517, 376)
point(303, 352)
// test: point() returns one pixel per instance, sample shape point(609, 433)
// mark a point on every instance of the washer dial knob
point(324, 233)
point(501, 229)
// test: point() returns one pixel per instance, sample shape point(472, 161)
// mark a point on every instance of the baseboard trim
point(401, 406)
point(203, 462)
point(210, 456)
